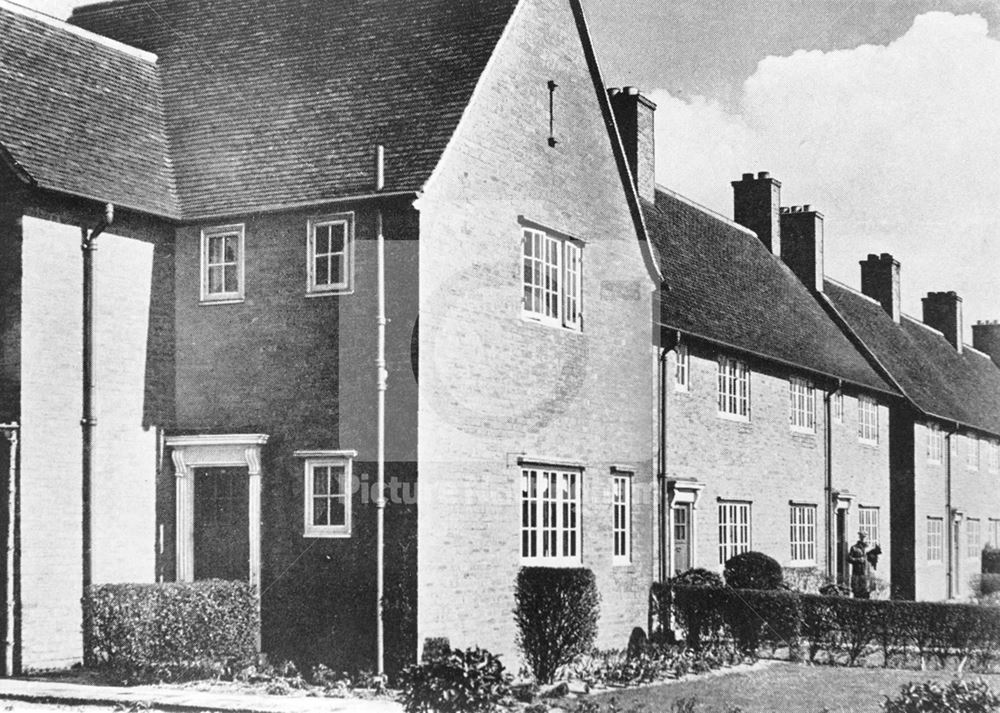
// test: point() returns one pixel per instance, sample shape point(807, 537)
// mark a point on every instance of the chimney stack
point(880, 281)
point(802, 244)
point(634, 116)
point(943, 312)
point(757, 205)
point(986, 338)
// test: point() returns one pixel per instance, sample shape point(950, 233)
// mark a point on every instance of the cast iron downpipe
point(10, 431)
point(949, 530)
point(88, 245)
point(382, 376)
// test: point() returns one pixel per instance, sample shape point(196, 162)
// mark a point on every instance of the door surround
point(239, 450)
point(682, 491)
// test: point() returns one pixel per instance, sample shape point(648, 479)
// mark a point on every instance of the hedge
point(164, 631)
point(843, 628)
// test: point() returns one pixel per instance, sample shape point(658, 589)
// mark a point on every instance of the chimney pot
point(943, 312)
point(614, 91)
point(880, 280)
point(763, 174)
point(785, 209)
point(634, 117)
point(807, 208)
point(802, 245)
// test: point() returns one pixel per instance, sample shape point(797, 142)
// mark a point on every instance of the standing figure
point(863, 560)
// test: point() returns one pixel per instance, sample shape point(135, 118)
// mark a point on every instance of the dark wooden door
point(221, 524)
point(842, 548)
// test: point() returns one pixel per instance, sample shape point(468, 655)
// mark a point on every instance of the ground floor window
point(328, 497)
point(550, 515)
point(974, 538)
point(935, 539)
point(622, 506)
point(994, 532)
point(868, 523)
point(734, 529)
point(803, 534)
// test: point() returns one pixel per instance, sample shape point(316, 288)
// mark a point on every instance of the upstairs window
point(935, 443)
point(972, 453)
point(330, 253)
point(734, 389)
point(993, 451)
point(682, 368)
point(867, 420)
point(838, 407)
point(552, 276)
point(802, 405)
point(550, 516)
point(222, 264)
point(935, 539)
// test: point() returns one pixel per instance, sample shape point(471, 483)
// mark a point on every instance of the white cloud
point(898, 145)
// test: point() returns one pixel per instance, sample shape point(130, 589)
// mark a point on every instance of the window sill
point(802, 564)
point(531, 318)
point(866, 442)
point(803, 431)
point(321, 533)
point(330, 293)
point(621, 563)
point(222, 301)
point(725, 416)
point(554, 562)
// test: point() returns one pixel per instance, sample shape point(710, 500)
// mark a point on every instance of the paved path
point(183, 699)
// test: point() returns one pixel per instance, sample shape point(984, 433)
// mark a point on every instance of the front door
point(842, 547)
point(682, 538)
point(221, 524)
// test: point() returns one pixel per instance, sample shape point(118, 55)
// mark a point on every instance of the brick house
point(775, 427)
point(253, 156)
point(944, 438)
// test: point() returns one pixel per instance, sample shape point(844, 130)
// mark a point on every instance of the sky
point(882, 114)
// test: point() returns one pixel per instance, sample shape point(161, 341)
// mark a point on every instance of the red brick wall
point(493, 384)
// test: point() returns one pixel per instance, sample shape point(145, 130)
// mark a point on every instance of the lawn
point(780, 687)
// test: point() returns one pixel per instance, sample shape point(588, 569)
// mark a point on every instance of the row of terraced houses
point(581, 367)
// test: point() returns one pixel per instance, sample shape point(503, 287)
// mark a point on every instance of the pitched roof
point(938, 379)
point(724, 286)
point(82, 114)
point(271, 105)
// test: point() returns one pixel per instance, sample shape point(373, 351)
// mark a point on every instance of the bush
point(471, 680)
point(930, 697)
point(164, 631)
point(556, 611)
point(753, 570)
point(991, 560)
point(698, 577)
point(819, 624)
point(986, 584)
point(699, 613)
point(755, 616)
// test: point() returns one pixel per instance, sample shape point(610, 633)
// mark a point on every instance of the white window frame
point(802, 533)
point(238, 231)
point(971, 452)
point(838, 406)
point(993, 455)
point(935, 443)
point(867, 420)
point(621, 504)
point(868, 522)
point(551, 255)
point(973, 537)
point(801, 405)
point(935, 539)
point(735, 533)
point(733, 389)
point(346, 222)
point(682, 368)
point(551, 522)
point(994, 531)
point(320, 460)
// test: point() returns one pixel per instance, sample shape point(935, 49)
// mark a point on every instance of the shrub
point(932, 697)
point(699, 612)
point(698, 577)
point(472, 680)
point(556, 611)
point(819, 624)
point(753, 570)
point(163, 631)
point(857, 624)
point(986, 584)
point(991, 560)
point(757, 616)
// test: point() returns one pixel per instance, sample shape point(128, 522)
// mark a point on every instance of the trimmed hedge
point(556, 610)
point(164, 631)
point(753, 570)
point(844, 629)
point(991, 560)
